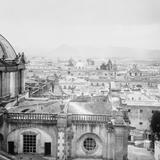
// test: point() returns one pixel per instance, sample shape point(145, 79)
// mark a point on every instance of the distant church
point(109, 66)
point(62, 131)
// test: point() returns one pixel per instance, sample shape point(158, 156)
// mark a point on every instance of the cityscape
point(80, 80)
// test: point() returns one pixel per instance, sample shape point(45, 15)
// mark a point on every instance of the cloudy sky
point(42, 25)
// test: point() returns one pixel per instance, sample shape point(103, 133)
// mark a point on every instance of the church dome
point(6, 50)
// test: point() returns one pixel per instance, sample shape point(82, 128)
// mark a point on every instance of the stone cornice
point(11, 68)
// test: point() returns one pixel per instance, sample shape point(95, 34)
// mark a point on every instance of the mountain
point(64, 51)
point(67, 51)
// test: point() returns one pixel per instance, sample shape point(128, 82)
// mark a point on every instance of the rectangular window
point(29, 143)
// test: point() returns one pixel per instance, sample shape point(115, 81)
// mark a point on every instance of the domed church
point(12, 67)
point(74, 130)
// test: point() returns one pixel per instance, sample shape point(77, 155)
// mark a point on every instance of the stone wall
point(69, 139)
point(140, 116)
point(44, 133)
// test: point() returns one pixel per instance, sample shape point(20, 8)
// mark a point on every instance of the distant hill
point(65, 51)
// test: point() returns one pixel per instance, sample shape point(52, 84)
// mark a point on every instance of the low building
point(140, 109)
point(157, 150)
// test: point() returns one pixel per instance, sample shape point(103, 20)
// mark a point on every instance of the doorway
point(11, 147)
point(47, 147)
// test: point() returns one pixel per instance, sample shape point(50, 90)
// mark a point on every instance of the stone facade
point(62, 136)
point(68, 136)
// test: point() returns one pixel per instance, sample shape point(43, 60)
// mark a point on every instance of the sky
point(43, 25)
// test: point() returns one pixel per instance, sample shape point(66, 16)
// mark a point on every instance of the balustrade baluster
point(21, 116)
point(18, 116)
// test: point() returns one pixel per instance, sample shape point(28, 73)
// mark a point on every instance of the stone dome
point(6, 50)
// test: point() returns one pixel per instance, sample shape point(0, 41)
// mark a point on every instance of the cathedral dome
point(6, 50)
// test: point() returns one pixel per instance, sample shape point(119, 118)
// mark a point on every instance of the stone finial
point(23, 57)
point(3, 57)
point(19, 55)
point(109, 126)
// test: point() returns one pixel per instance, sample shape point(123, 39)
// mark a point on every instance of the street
point(135, 153)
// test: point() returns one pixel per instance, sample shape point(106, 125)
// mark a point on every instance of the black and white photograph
point(79, 79)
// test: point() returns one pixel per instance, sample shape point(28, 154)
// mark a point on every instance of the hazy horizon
point(39, 27)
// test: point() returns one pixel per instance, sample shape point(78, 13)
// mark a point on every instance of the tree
point(155, 127)
point(155, 124)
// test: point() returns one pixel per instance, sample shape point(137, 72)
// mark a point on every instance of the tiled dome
point(6, 50)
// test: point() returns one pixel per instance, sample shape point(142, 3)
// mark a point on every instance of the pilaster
point(4, 82)
point(69, 138)
point(22, 81)
point(16, 83)
point(61, 124)
point(12, 84)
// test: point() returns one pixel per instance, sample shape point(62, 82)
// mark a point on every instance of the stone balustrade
point(52, 118)
point(89, 118)
point(31, 117)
